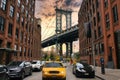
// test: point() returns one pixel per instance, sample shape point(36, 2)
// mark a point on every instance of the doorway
point(117, 43)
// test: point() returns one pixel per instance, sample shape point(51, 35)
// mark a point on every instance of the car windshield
point(53, 64)
point(84, 64)
point(15, 63)
point(34, 62)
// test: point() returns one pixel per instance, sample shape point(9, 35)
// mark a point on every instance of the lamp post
point(93, 49)
point(92, 38)
point(90, 34)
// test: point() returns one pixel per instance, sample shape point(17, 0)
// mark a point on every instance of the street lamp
point(93, 49)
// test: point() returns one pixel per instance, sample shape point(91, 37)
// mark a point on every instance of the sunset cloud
point(45, 9)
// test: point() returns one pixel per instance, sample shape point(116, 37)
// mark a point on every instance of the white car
point(36, 65)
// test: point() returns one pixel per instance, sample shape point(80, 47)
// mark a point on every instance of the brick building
point(18, 31)
point(101, 18)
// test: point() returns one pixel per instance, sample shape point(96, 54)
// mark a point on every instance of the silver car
point(36, 65)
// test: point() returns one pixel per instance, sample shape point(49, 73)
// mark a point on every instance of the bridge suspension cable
point(47, 29)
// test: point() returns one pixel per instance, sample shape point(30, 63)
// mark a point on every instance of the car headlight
point(44, 72)
point(62, 72)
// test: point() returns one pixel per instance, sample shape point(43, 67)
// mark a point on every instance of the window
point(96, 49)
point(99, 31)
point(32, 11)
point(18, 3)
point(18, 17)
point(95, 35)
point(28, 52)
point(20, 48)
point(26, 13)
point(26, 2)
point(110, 54)
point(20, 51)
point(33, 2)
point(27, 28)
point(25, 38)
point(22, 8)
point(21, 36)
point(10, 29)
point(11, 11)
point(22, 21)
point(98, 16)
point(3, 4)
point(15, 47)
point(1, 43)
point(8, 45)
point(31, 54)
point(97, 3)
point(107, 21)
point(115, 13)
point(30, 6)
point(105, 3)
point(32, 20)
point(101, 47)
point(17, 33)
point(2, 21)
point(24, 51)
point(93, 8)
point(94, 21)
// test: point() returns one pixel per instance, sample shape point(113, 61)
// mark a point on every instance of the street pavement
point(70, 76)
point(110, 74)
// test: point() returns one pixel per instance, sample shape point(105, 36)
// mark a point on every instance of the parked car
point(81, 69)
point(43, 63)
point(3, 73)
point(19, 69)
point(54, 70)
point(36, 65)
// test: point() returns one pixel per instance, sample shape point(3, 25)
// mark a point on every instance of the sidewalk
point(110, 74)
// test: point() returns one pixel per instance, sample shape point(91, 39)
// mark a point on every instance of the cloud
point(45, 9)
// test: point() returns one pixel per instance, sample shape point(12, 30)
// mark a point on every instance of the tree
point(46, 57)
point(52, 56)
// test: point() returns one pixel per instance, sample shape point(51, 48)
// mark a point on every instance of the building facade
point(99, 32)
point(17, 29)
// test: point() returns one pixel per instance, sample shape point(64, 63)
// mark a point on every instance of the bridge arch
point(59, 13)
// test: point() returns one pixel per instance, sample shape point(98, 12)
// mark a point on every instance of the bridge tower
point(59, 13)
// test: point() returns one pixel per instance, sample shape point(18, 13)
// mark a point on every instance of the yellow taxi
point(54, 69)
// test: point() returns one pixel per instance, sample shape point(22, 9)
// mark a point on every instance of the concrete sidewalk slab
point(110, 74)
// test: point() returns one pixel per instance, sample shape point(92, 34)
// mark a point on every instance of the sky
point(45, 9)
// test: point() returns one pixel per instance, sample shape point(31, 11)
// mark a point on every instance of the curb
point(100, 77)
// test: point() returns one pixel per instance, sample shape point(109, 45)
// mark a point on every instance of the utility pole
point(93, 49)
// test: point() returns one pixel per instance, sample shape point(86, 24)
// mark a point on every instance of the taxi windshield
point(52, 64)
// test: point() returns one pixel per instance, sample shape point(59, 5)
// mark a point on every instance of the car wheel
point(7, 77)
point(22, 75)
point(30, 72)
point(73, 71)
point(92, 75)
point(40, 68)
point(76, 74)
